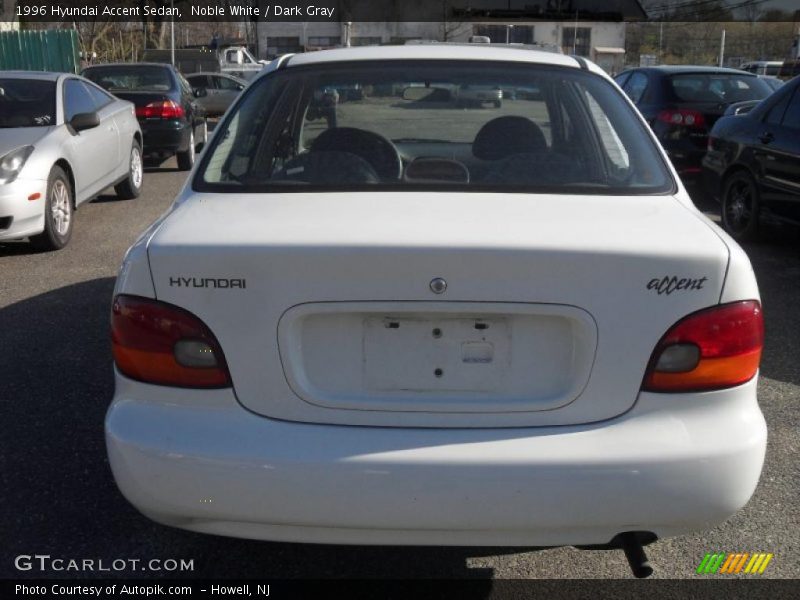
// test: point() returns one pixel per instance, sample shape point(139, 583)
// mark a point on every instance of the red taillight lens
point(683, 117)
point(158, 343)
point(168, 109)
point(715, 348)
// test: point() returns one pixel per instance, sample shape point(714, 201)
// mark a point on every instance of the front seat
point(506, 136)
point(375, 149)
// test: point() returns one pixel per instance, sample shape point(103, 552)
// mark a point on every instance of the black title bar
point(37, 11)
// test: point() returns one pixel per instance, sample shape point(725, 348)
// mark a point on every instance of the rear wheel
point(740, 207)
point(58, 213)
point(204, 136)
point(186, 159)
point(132, 186)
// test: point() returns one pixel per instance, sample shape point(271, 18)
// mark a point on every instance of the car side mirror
point(82, 121)
point(199, 92)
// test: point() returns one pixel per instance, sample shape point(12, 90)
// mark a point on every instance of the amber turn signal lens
point(159, 343)
point(715, 348)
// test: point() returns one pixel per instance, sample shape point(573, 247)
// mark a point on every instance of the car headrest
point(505, 136)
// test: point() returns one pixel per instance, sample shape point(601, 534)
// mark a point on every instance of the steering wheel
point(379, 152)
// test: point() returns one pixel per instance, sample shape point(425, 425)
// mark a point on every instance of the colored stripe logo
point(731, 563)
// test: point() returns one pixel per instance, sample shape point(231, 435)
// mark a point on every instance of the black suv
point(753, 164)
point(171, 119)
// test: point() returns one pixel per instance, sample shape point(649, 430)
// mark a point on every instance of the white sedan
point(63, 140)
point(413, 323)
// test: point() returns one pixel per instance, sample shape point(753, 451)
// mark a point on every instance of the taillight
point(167, 109)
point(711, 349)
point(683, 117)
point(159, 343)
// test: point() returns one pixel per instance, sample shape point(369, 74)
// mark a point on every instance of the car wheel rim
point(739, 206)
point(60, 209)
point(136, 167)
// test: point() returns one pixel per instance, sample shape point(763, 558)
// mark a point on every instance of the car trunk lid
point(327, 310)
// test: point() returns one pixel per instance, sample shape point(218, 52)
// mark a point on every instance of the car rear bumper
point(164, 137)
point(687, 159)
point(198, 460)
point(20, 217)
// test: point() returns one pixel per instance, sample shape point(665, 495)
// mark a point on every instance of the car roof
point(215, 73)
point(443, 51)
point(680, 69)
point(123, 64)
point(41, 75)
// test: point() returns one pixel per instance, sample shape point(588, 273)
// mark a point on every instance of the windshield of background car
point(434, 124)
point(718, 87)
point(27, 103)
point(137, 78)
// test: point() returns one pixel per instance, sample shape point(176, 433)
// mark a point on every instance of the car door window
point(224, 83)
point(635, 86)
point(621, 79)
point(77, 99)
point(99, 97)
point(199, 81)
point(791, 118)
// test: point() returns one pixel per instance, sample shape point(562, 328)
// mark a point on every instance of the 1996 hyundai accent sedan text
point(396, 320)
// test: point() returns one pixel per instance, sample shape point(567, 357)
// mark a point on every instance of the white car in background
point(63, 140)
point(413, 323)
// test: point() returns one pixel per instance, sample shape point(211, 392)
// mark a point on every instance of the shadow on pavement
point(777, 267)
point(58, 494)
point(17, 248)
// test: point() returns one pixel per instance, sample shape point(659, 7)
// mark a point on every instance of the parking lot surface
point(58, 496)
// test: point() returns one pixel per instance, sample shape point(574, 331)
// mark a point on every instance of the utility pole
point(172, 33)
point(722, 49)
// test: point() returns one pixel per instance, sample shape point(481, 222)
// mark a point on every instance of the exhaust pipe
point(634, 552)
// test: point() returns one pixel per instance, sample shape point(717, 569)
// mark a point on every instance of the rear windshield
point(718, 87)
point(433, 124)
point(133, 79)
point(27, 103)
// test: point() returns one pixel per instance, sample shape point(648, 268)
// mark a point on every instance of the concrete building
point(600, 41)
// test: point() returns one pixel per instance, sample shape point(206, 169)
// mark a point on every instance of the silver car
point(63, 140)
point(221, 90)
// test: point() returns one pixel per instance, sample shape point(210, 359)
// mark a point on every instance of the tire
point(132, 186)
point(740, 207)
point(58, 213)
point(204, 141)
point(186, 159)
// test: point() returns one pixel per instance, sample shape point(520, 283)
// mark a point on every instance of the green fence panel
point(50, 50)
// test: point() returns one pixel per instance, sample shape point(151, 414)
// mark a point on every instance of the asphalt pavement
point(57, 495)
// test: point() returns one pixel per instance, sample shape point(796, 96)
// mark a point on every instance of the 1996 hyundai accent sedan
point(394, 320)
